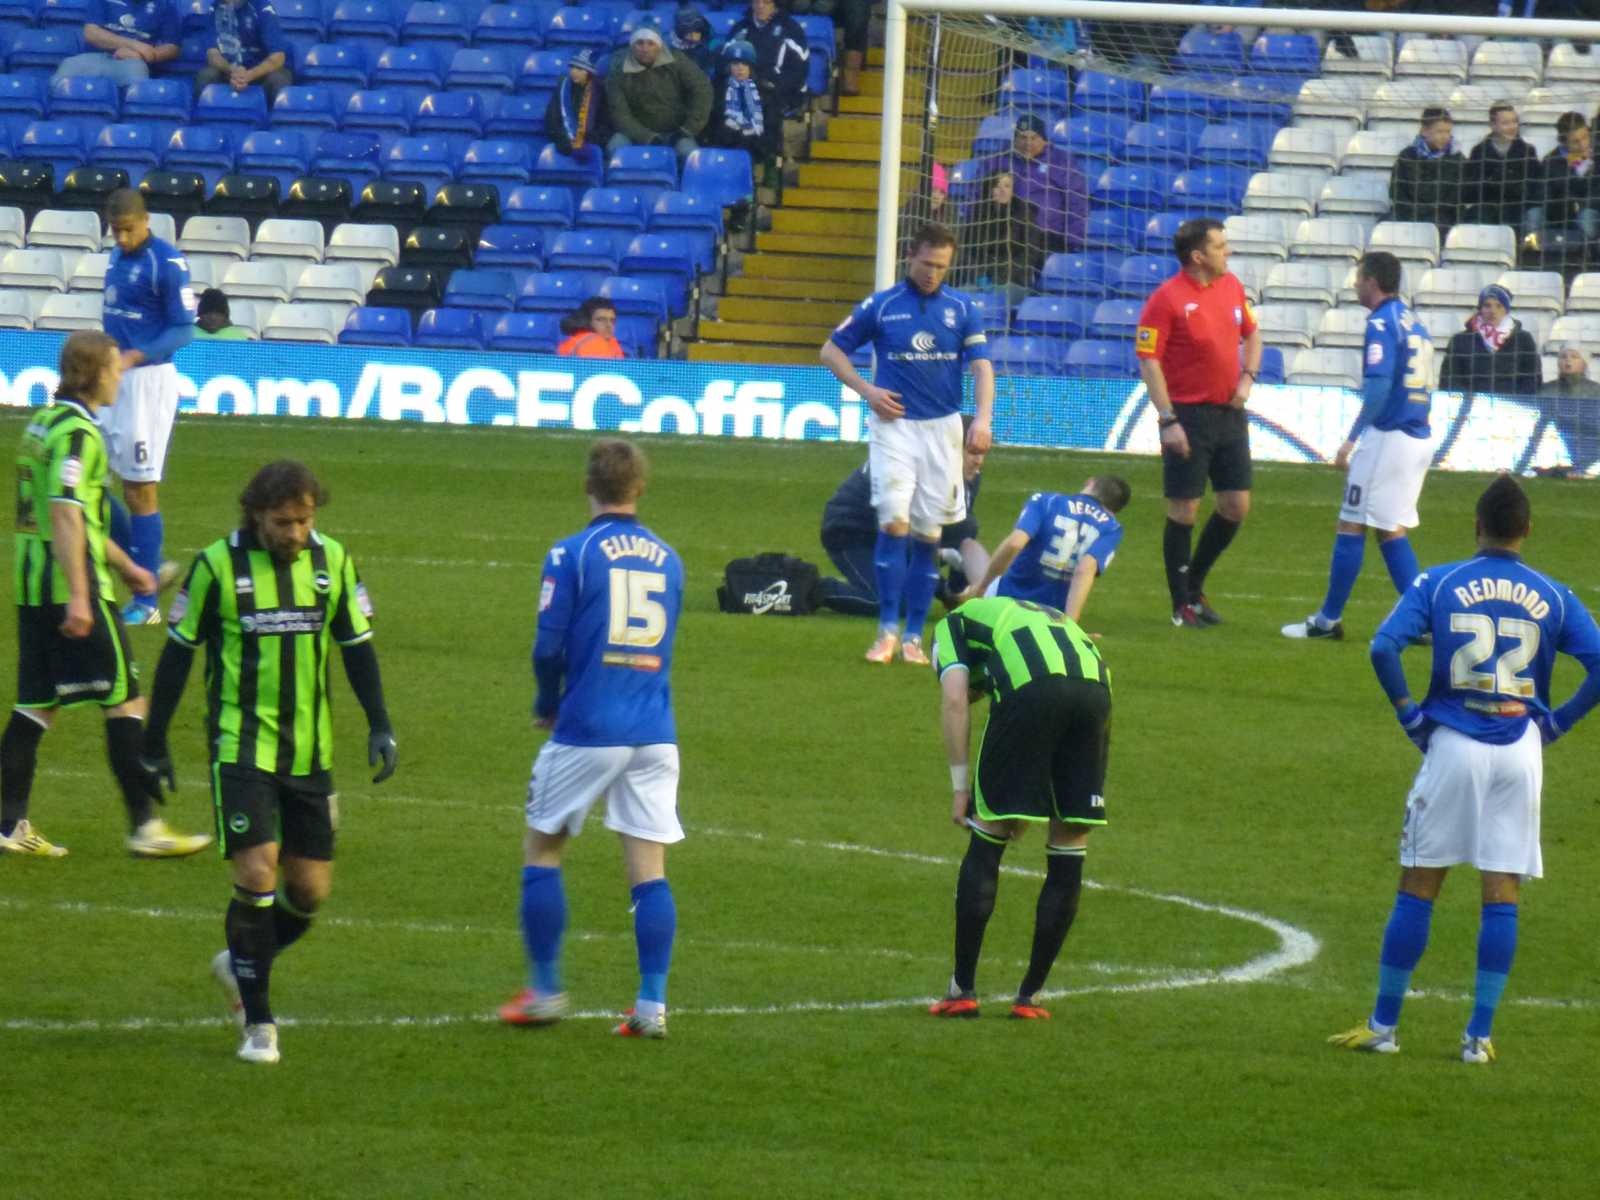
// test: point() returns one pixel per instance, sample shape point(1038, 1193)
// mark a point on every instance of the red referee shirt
point(1194, 331)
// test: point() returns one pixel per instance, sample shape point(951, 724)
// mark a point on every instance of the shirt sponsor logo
point(924, 342)
point(243, 585)
point(896, 317)
point(774, 597)
point(87, 685)
point(277, 622)
point(634, 662)
point(1497, 708)
point(72, 472)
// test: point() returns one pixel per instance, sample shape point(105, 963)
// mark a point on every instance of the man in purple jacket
point(1045, 178)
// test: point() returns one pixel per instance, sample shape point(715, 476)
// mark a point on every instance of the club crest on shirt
point(1238, 315)
point(322, 581)
point(950, 317)
point(1188, 309)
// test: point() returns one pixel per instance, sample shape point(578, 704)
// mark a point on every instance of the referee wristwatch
point(1167, 422)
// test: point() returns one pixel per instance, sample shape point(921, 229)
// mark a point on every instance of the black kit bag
point(779, 584)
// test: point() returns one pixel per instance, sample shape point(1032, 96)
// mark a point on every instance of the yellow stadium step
point(823, 223)
point(775, 310)
point(809, 266)
point(832, 176)
point(860, 199)
point(754, 354)
point(861, 106)
point(847, 291)
point(776, 333)
point(860, 129)
point(811, 243)
point(862, 152)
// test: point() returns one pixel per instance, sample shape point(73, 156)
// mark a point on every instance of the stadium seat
point(515, 247)
point(40, 51)
point(219, 104)
point(1494, 244)
point(440, 248)
point(1260, 234)
point(468, 205)
point(364, 244)
point(1027, 354)
point(352, 157)
point(1116, 228)
point(1052, 316)
point(583, 250)
point(335, 62)
point(994, 133)
point(724, 176)
point(301, 19)
point(1431, 57)
point(1567, 65)
point(22, 95)
point(65, 230)
point(1293, 326)
point(554, 169)
point(390, 327)
point(181, 193)
point(497, 161)
point(318, 323)
point(323, 199)
point(1541, 291)
point(640, 336)
point(311, 108)
point(612, 208)
point(1169, 142)
point(415, 289)
point(555, 291)
point(488, 68)
point(1209, 191)
point(643, 166)
point(1098, 135)
point(1453, 286)
point(542, 71)
point(1271, 369)
point(84, 96)
point(551, 207)
point(1409, 241)
point(1202, 51)
point(1343, 329)
point(16, 310)
point(279, 237)
point(250, 315)
point(431, 161)
point(1329, 237)
point(1087, 273)
point(1583, 328)
point(1278, 54)
point(1093, 358)
point(670, 258)
point(39, 270)
point(253, 197)
point(1030, 88)
point(1374, 150)
point(208, 151)
point(1237, 144)
point(284, 154)
point(375, 111)
point(408, 66)
point(516, 115)
point(1373, 57)
point(1170, 100)
point(450, 329)
point(1141, 274)
point(451, 112)
point(578, 27)
point(427, 23)
point(1301, 282)
point(518, 25)
point(636, 297)
point(694, 216)
point(267, 280)
point(1283, 191)
point(1098, 92)
point(1114, 318)
point(1132, 187)
point(1342, 98)
point(132, 147)
point(332, 283)
point(1327, 368)
point(1363, 194)
point(527, 332)
point(70, 311)
point(1585, 293)
point(12, 226)
point(365, 23)
point(89, 188)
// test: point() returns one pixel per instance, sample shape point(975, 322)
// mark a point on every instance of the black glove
point(381, 745)
point(158, 763)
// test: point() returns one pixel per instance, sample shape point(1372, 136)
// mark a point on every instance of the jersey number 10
point(637, 619)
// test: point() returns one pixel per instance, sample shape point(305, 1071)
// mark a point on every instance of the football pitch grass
point(1232, 922)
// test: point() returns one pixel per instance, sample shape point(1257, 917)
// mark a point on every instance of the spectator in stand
point(1426, 182)
point(656, 97)
point(213, 321)
point(740, 118)
point(926, 205)
point(691, 37)
point(1503, 179)
point(781, 56)
point(1043, 176)
point(1571, 401)
point(596, 335)
point(576, 119)
point(1570, 196)
point(248, 48)
point(854, 19)
point(145, 35)
point(1494, 353)
point(1002, 247)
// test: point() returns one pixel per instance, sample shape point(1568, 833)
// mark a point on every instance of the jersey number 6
point(637, 619)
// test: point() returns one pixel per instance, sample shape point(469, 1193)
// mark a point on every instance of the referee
point(265, 601)
point(1188, 348)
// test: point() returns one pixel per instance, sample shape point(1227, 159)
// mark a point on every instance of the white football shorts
point(916, 473)
point(1387, 468)
point(138, 426)
point(638, 783)
point(1476, 803)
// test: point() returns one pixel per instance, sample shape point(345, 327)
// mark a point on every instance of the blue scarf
point(741, 107)
point(1426, 151)
point(571, 104)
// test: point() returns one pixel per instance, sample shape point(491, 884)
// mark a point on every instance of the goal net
point(1065, 146)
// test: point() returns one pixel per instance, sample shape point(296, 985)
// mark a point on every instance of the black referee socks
point(1175, 544)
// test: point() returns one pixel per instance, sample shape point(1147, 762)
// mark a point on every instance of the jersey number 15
point(637, 618)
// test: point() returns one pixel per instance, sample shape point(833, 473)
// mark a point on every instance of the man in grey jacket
point(656, 97)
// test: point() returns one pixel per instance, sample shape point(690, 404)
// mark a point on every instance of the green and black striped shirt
point(266, 627)
point(1005, 643)
point(62, 460)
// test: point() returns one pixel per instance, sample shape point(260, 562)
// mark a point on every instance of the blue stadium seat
point(1272, 370)
point(966, 181)
point(640, 336)
point(1116, 228)
point(60, 143)
point(1159, 232)
point(84, 96)
point(1210, 191)
point(1132, 187)
point(72, 13)
point(377, 327)
point(301, 18)
point(335, 62)
point(431, 161)
point(1294, 54)
point(40, 51)
point(556, 291)
point(549, 207)
point(1263, 99)
point(526, 332)
point(1141, 274)
point(612, 208)
point(669, 257)
point(449, 329)
point(722, 23)
point(451, 112)
point(1168, 142)
point(1094, 134)
point(219, 104)
point(724, 176)
point(24, 95)
point(554, 169)
point(583, 250)
point(994, 308)
point(192, 54)
point(1236, 145)
point(519, 25)
point(490, 68)
point(643, 166)
point(637, 17)
point(1018, 354)
point(157, 99)
point(1167, 100)
point(819, 30)
point(636, 297)
point(438, 24)
point(486, 290)
point(579, 27)
point(19, 14)
point(305, 107)
point(194, 16)
point(612, 11)
point(351, 156)
point(515, 247)
point(132, 147)
point(516, 115)
point(208, 150)
point(1202, 50)
point(994, 133)
point(1109, 93)
point(1052, 316)
point(497, 160)
point(695, 216)
point(542, 71)
point(1035, 88)
point(1113, 319)
point(408, 66)
point(378, 111)
point(285, 154)
point(1094, 358)
point(369, 23)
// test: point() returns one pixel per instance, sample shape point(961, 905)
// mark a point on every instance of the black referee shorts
point(1044, 753)
point(55, 671)
point(1219, 450)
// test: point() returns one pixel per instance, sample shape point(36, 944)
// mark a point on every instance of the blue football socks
point(544, 920)
point(922, 580)
point(1404, 940)
point(655, 921)
point(146, 535)
point(1497, 946)
point(890, 561)
point(1402, 562)
point(1348, 551)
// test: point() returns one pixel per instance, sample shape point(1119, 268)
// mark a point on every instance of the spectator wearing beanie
point(1494, 353)
point(576, 119)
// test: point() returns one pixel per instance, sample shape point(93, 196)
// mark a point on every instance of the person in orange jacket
point(596, 331)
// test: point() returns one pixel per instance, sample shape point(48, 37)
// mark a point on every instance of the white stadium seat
point(250, 314)
point(1301, 282)
point(1410, 241)
point(1327, 368)
point(1262, 234)
point(1329, 237)
point(1453, 286)
point(11, 228)
point(1343, 96)
point(1291, 326)
point(1585, 296)
point(89, 273)
point(1566, 65)
point(1583, 328)
point(1294, 147)
point(1511, 62)
point(216, 235)
point(1404, 99)
point(339, 282)
point(70, 311)
point(16, 310)
point(306, 323)
point(1251, 270)
point(278, 237)
point(1343, 328)
point(1443, 324)
point(1283, 191)
point(365, 243)
point(65, 229)
point(161, 225)
point(1494, 244)
point(1431, 56)
point(1347, 289)
point(42, 270)
point(1541, 290)
point(268, 280)
point(1376, 150)
point(1469, 103)
point(1362, 194)
point(1374, 57)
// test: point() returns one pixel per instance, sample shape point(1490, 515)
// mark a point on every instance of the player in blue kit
point(1388, 450)
point(149, 312)
point(608, 609)
point(1060, 545)
point(923, 334)
point(1497, 625)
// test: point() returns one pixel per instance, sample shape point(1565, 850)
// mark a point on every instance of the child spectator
point(691, 37)
point(782, 58)
point(1494, 353)
point(576, 119)
point(1426, 182)
point(740, 118)
point(1569, 180)
point(1002, 247)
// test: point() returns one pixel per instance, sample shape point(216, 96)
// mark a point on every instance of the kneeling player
point(1043, 760)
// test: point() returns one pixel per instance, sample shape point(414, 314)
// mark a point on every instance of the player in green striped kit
point(1042, 760)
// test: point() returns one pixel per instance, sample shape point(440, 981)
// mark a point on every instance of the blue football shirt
point(153, 22)
point(922, 343)
point(608, 610)
point(1061, 531)
point(147, 293)
point(247, 32)
point(1497, 626)
point(1400, 354)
